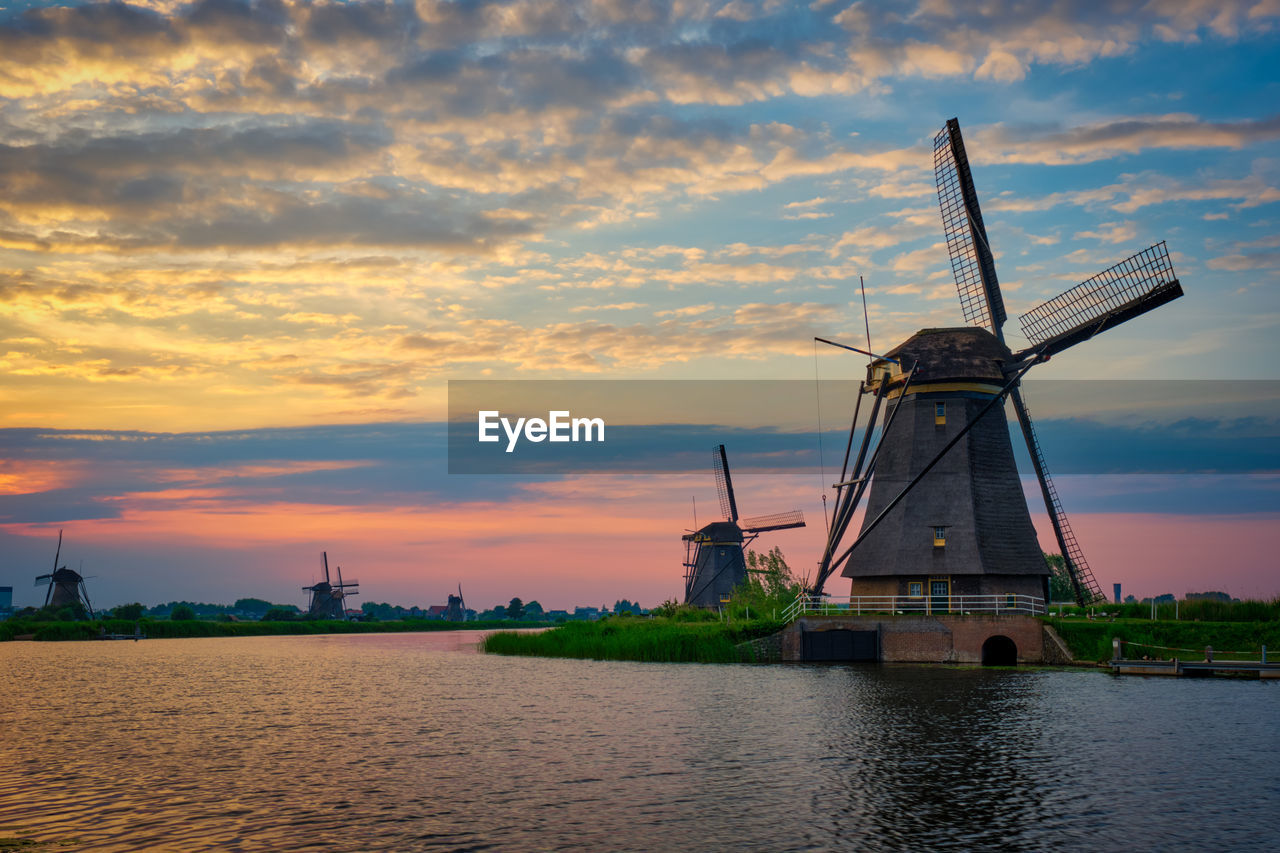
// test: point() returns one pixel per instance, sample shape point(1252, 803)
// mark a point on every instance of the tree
point(128, 611)
point(252, 605)
point(624, 606)
point(533, 610)
point(770, 585)
point(279, 614)
point(515, 609)
point(1060, 586)
point(182, 613)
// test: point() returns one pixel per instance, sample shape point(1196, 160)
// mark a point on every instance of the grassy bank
point(1091, 640)
point(651, 640)
point(1187, 610)
point(198, 628)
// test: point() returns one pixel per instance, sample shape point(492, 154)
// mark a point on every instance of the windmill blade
point(341, 594)
point(57, 553)
point(324, 558)
point(84, 594)
point(777, 521)
point(43, 579)
point(1083, 584)
point(972, 263)
point(724, 484)
point(1116, 295)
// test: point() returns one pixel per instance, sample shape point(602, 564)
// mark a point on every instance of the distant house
point(588, 613)
point(557, 615)
point(437, 611)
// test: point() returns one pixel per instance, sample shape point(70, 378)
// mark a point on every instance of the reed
point(650, 640)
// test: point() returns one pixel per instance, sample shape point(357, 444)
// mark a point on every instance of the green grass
point(50, 631)
point(1091, 640)
point(651, 640)
point(1189, 610)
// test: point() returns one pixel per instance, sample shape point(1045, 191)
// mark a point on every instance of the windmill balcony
point(830, 605)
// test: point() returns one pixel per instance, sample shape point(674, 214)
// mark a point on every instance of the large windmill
point(65, 587)
point(946, 515)
point(714, 561)
point(328, 599)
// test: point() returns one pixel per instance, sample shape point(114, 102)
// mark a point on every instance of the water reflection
point(400, 742)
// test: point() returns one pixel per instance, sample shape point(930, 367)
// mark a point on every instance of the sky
point(245, 246)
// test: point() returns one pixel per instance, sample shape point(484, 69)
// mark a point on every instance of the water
point(414, 742)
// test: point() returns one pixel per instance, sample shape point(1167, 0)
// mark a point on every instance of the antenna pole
point(865, 319)
point(694, 498)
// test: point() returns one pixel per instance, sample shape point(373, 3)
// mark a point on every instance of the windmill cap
point(965, 353)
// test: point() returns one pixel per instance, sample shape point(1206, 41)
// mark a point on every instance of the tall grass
point(1239, 640)
point(1190, 610)
point(651, 640)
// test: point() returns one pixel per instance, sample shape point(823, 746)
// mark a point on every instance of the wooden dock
point(1196, 668)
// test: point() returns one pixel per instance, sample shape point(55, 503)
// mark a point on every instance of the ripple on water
point(401, 742)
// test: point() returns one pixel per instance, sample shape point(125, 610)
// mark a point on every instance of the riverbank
point(671, 641)
point(1090, 640)
point(163, 629)
point(648, 640)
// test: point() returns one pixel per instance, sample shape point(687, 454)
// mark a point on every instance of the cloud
point(1056, 145)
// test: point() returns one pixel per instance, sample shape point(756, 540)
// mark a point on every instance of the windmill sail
point(1113, 296)
point(1129, 289)
point(724, 484)
point(776, 521)
point(1084, 586)
point(972, 263)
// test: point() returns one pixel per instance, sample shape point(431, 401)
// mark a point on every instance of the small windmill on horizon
point(65, 587)
point(329, 600)
point(946, 515)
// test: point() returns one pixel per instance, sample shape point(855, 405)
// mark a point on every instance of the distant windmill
point(329, 600)
point(946, 515)
point(456, 611)
point(714, 561)
point(65, 587)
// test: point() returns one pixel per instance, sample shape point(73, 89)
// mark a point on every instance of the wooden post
point(1115, 648)
point(1208, 654)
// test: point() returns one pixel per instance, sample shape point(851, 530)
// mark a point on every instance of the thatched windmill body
point(946, 516)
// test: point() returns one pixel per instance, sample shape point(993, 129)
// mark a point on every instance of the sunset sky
point(243, 248)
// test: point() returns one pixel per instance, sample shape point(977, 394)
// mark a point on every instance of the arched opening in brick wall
point(999, 651)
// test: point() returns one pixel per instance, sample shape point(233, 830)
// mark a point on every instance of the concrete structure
point(6, 598)
point(941, 638)
point(964, 529)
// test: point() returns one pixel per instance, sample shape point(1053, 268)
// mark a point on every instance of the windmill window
point(939, 413)
point(915, 589)
point(939, 537)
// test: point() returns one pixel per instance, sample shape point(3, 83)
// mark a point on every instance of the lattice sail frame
point(722, 487)
point(1131, 281)
point(972, 263)
point(774, 521)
